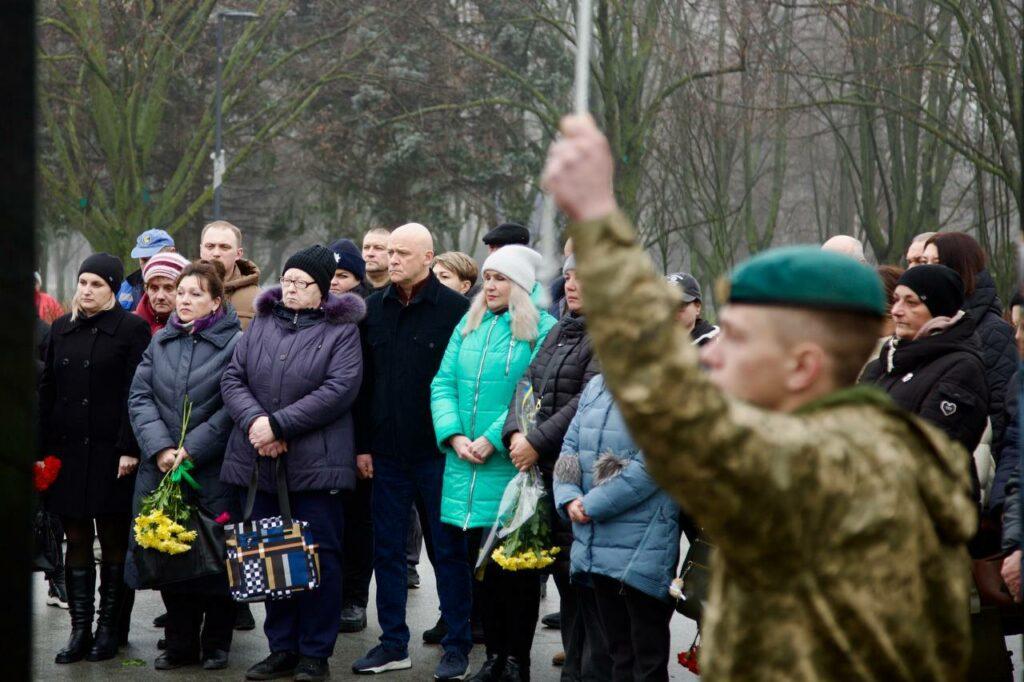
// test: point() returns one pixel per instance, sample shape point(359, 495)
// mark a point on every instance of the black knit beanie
point(106, 267)
point(317, 262)
point(939, 288)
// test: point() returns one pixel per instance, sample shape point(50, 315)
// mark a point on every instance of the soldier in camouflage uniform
point(841, 521)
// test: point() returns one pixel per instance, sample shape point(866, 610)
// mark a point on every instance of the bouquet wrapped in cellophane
point(164, 514)
point(520, 538)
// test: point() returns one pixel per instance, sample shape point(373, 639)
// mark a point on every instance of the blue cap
point(151, 242)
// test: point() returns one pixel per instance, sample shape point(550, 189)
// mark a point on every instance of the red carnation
point(688, 659)
point(223, 518)
point(46, 472)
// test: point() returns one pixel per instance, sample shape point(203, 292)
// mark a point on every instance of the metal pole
point(581, 92)
point(218, 150)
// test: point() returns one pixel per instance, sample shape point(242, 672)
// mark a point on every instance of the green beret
point(807, 277)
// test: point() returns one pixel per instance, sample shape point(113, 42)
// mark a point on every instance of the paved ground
point(52, 625)
point(136, 662)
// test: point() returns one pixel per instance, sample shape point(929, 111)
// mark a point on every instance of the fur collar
point(344, 309)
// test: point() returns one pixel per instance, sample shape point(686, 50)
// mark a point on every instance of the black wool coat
point(83, 410)
point(402, 350)
point(940, 378)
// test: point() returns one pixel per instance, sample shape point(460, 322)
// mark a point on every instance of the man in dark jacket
point(406, 331)
point(689, 315)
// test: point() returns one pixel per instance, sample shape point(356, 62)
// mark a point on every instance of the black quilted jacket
point(998, 350)
point(563, 366)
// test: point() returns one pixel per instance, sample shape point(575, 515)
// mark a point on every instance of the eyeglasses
point(297, 283)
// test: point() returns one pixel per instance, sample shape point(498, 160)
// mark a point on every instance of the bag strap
point(282, 491)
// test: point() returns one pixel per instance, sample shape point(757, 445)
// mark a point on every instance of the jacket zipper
point(472, 423)
point(508, 360)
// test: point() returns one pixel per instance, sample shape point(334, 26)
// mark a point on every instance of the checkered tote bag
point(270, 558)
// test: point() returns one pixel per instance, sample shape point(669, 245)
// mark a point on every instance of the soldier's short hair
point(848, 338)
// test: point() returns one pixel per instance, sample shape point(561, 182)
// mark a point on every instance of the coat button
point(85, 402)
point(65, 362)
point(93, 330)
point(85, 440)
point(64, 400)
point(85, 364)
point(283, 356)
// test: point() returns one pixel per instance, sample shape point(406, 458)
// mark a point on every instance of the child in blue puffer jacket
point(625, 534)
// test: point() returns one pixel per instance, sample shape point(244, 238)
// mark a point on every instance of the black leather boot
point(112, 592)
point(81, 584)
point(124, 621)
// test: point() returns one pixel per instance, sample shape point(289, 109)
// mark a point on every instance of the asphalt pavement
point(136, 661)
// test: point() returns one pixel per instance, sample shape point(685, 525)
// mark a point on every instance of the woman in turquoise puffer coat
point(486, 357)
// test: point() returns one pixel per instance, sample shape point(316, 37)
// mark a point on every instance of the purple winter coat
point(303, 370)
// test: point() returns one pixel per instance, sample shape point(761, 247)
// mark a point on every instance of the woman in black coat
point(962, 253)
point(91, 358)
point(932, 365)
point(564, 364)
point(187, 358)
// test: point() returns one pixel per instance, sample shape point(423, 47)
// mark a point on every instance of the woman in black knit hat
point(91, 356)
point(289, 389)
point(932, 365)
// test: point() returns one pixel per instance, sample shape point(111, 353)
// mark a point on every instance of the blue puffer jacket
point(633, 536)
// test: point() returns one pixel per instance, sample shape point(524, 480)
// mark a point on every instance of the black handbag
point(205, 558)
point(696, 578)
point(48, 535)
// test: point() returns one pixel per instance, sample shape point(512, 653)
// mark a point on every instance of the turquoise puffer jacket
point(470, 396)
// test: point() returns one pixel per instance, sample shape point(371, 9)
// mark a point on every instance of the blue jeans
point(397, 485)
point(307, 623)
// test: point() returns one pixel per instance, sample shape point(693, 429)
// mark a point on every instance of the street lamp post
point(218, 147)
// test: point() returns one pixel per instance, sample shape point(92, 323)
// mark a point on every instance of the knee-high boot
point(81, 583)
point(112, 590)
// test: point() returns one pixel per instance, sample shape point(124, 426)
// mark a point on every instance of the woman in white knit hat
point(488, 353)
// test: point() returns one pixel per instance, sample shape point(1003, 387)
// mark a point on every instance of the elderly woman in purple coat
point(290, 389)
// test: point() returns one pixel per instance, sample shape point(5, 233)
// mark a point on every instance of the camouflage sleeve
point(725, 462)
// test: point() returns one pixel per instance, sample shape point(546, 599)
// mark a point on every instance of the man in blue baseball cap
point(840, 521)
point(147, 245)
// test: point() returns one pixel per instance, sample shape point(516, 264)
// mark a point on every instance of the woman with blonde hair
point(91, 356)
point(486, 357)
point(457, 271)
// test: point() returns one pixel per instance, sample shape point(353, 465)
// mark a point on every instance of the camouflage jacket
point(840, 528)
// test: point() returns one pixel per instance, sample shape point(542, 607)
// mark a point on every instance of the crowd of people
point(383, 379)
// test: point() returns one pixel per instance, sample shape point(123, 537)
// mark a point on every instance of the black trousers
point(636, 627)
point(586, 650)
point(511, 605)
point(357, 557)
point(198, 623)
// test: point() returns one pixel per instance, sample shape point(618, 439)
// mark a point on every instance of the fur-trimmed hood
point(345, 309)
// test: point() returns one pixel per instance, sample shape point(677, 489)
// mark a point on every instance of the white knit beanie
point(518, 263)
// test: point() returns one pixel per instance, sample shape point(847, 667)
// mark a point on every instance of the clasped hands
point(473, 451)
point(262, 438)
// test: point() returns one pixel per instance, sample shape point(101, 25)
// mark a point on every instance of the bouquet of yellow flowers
point(523, 526)
point(161, 523)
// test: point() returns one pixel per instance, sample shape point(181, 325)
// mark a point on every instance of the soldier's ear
point(806, 366)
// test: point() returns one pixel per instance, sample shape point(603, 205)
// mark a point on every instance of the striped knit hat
point(167, 264)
